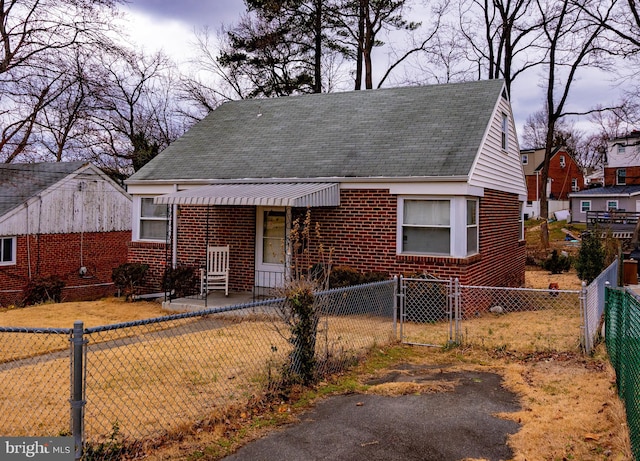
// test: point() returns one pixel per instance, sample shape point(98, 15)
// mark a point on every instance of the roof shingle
point(422, 131)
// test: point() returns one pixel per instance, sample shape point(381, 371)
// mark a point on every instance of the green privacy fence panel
point(622, 324)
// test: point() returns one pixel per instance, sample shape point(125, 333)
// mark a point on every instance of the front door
point(270, 246)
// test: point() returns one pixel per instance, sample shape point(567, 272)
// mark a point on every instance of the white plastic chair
point(215, 275)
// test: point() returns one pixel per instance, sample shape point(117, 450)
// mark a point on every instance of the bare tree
point(503, 35)
point(573, 42)
point(36, 36)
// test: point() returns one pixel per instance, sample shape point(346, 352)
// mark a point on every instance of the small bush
point(344, 276)
point(180, 281)
point(43, 289)
point(557, 264)
point(128, 276)
point(591, 258)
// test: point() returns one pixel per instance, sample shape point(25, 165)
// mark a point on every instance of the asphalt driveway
point(450, 421)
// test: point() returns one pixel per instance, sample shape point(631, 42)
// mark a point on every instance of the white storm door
point(270, 246)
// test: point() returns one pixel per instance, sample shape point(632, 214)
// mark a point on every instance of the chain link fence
point(439, 312)
point(34, 381)
point(145, 381)
point(595, 303)
point(622, 324)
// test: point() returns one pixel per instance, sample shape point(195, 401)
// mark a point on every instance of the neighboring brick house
point(565, 177)
point(67, 219)
point(621, 191)
point(403, 181)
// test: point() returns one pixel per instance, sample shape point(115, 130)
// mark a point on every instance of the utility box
point(630, 272)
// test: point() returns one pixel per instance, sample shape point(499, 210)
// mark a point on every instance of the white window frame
point(618, 171)
point(612, 202)
point(457, 225)
point(475, 224)
point(582, 206)
point(563, 161)
point(621, 148)
point(504, 132)
point(8, 260)
point(525, 159)
point(521, 220)
point(137, 212)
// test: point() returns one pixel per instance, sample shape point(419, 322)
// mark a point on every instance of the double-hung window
point(7, 251)
point(621, 176)
point(426, 227)
point(472, 227)
point(153, 220)
point(505, 132)
point(585, 205)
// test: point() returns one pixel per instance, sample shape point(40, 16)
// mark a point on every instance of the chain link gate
point(429, 311)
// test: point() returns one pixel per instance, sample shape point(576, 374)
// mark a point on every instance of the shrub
point(591, 258)
point(43, 289)
point(180, 281)
point(557, 264)
point(344, 276)
point(128, 276)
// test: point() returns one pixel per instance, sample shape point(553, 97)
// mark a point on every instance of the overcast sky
point(169, 25)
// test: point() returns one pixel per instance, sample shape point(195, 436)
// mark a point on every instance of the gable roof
point(426, 131)
point(21, 181)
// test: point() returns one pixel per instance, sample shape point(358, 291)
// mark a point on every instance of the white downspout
point(174, 232)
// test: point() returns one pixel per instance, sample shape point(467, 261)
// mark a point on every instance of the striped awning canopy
point(257, 194)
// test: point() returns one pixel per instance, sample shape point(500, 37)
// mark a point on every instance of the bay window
point(438, 226)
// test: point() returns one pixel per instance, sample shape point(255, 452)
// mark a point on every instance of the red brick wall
point(233, 226)
point(362, 232)
point(611, 176)
point(63, 255)
point(561, 179)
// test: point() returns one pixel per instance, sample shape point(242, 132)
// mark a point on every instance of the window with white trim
point(521, 220)
point(505, 132)
point(7, 251)
point(153, 219)
point(472, 227)
point(585, 205)
point(426, 227)
point(612, 205)
point(621, 176)
point(525, 159)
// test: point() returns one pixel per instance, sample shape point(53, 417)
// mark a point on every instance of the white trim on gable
point(494, 168)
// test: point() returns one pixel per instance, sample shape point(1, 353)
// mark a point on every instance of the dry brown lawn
point(570, 409)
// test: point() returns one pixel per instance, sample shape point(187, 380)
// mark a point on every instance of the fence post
point(77, 388)
point(396, 292)
point(586, 334)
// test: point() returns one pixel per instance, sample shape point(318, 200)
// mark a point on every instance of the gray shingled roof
point(431, 130)
point(607, 191)
point(21, 181)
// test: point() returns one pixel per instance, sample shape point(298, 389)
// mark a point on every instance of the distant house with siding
point(621, 188)
point(67, 219)
point(403, 181)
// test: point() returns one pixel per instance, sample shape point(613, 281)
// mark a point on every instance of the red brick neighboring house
point(565, 177)
point(65, 219)
point(403, 181)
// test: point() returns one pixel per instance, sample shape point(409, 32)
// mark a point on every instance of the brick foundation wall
point(63, 255)
point(362, 232)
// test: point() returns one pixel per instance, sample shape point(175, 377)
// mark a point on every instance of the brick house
point(565, 177)
point(621, 188)
point(67, 219)
point(403, 181)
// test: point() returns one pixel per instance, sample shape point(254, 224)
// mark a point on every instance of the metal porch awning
point(257, 194)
